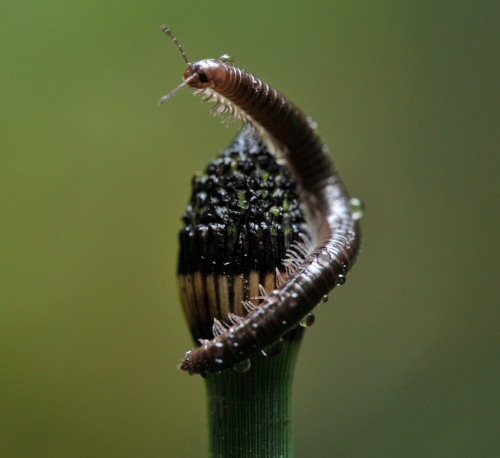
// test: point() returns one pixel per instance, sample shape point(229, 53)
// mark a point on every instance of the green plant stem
point(250, 413)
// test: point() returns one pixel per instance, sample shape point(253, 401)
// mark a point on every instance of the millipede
point(315, 267)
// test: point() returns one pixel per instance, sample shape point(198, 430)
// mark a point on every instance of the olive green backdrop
point(403, 360)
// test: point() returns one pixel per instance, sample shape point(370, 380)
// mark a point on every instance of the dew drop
point(294, 300)
point(357, 208)
point(227, 59)
point(340, 279)
point(312, 123)
point(324, 299)
point(274, 349)
point(219, 361)
point(324, 258)
point(273, 296)
point(308, 320)
point(242, 366)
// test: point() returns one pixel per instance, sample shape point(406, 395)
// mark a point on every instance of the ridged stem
point(250, 413)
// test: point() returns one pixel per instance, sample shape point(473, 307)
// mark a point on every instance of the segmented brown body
point(336, 231)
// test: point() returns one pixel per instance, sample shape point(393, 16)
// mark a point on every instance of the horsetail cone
point(243, 216)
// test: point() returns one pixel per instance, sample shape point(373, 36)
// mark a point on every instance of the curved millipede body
point(335, 229)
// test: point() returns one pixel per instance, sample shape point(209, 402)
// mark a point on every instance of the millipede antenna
point(169, 34)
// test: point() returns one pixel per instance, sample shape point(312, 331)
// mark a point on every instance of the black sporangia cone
point(243, 215)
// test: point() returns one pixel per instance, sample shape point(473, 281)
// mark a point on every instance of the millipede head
point(202, 74)
point(206, 73)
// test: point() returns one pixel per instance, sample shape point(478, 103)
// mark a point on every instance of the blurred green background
point(402, 362)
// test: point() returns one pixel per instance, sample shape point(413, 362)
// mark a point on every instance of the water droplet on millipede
point(227, 59)
point(313, 124)
point(324, 299)
point(340, 279)
point(274, 349)
point(294, 300)
point(357, 208)
point(242, 366)
point(324, 258)
point(273, 296)
point(308, 320)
